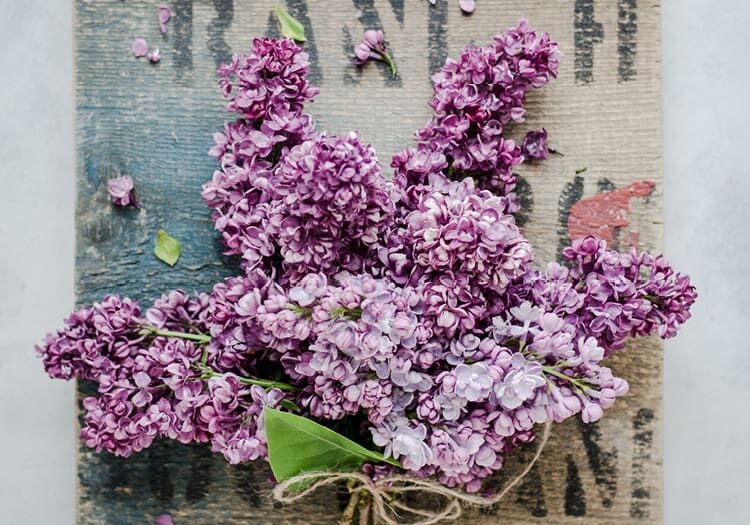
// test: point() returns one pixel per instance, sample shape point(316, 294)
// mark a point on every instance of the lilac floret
point(535, 146)
point(122, 191)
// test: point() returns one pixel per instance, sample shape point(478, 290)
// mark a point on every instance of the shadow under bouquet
point(390, 332)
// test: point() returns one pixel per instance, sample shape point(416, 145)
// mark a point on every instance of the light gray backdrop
point(706, 53)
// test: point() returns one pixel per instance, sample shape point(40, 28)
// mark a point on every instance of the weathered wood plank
point(155, 123)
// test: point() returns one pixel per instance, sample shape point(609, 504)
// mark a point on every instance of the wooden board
point(155, 123)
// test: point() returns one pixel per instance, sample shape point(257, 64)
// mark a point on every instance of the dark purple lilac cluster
point(459, 247)
point(158, 375)
point(287, 196)
point(268, 88)
point(409, 310)
point(477, 98)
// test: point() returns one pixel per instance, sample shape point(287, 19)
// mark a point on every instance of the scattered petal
point(373, 46)
point(140, 47)
point(154, 56)
point(167, 248)
point(165, 13)
point(535, 145)
point(163, 519)
point(122, 191)
point(467, 6)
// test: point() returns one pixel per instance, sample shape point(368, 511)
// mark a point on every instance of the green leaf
point(290, 26)
point(297, 444)
point(167, 248)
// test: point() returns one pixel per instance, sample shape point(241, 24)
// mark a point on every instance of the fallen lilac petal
point(165, 14)
point(122, 191)
point(373, 47)
point(535, 145)
point(467, 6)
point(154, 56)
point(373, 38)
point(163, 519)
point(139, 47)
point(361, 53)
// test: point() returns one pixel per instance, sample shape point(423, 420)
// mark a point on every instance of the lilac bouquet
point(402, 313)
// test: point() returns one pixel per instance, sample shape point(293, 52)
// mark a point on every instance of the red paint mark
point(601, 214)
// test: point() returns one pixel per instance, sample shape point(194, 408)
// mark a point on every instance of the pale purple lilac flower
point(139, 47)
point(405, 442)
point(122, 191)
point(520, 383)
point(163, 519)
point(467, 6)
point(165, 14)
point(373, 47)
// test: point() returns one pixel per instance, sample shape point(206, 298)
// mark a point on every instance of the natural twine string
point(381, 498)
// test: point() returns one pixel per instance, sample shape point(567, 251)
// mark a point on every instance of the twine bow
point(382, 497)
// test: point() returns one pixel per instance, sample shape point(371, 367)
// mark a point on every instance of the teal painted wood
point(155, 122)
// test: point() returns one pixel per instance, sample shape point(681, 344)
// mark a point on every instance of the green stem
point(575, 382)
point(300, 310)
point(208, 373)
point(200, 338)
point(388, 60)
point(267, 384)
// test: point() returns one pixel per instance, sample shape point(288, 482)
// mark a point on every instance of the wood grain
point(154, 122)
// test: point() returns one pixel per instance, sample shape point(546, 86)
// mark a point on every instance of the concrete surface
point(706, 46)
point(707, 392)
point(37, 438)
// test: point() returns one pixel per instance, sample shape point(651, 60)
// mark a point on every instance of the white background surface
point(706, 50)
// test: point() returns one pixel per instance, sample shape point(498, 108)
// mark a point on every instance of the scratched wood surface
point(154, 122)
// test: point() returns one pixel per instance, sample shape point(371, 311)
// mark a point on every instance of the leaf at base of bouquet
point(297, 445)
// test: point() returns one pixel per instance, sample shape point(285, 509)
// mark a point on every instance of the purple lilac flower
point(233, 416)
point(122, 191)
point(139, 47)
point(271, 81)
point(473, 382)
point(340, 334)
point(269, 89)
point(406, 443)
point(373, 47)
point(627, 294)
point(520, 383)
point(96, 340)
point(467, 6)
point(163, 519)
point(535, 146)
point(457, 245)
point(477, 96)
point(333, 204)
point(165, 14)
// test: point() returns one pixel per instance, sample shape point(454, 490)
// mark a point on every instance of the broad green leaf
point(289, 26)
point(297, 444)
point(167, 248)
